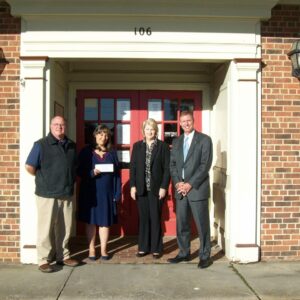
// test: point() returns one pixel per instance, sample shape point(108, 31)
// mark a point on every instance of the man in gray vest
point(191, 159)
point(52, 161)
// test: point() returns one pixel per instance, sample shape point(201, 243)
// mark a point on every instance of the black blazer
point(160, 172)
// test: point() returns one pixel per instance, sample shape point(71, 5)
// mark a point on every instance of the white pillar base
point(29, 255)
point(246, 254)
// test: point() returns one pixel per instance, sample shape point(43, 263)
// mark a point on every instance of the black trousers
point(150, 233)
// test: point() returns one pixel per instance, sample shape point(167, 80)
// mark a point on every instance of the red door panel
point(170, 103)
point(124, 112)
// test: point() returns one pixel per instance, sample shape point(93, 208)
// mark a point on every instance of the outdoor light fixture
point(294, 56)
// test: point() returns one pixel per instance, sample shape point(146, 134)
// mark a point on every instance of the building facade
point(106, 62)
point(280, 193)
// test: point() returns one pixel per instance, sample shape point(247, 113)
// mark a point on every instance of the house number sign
point(142, 31)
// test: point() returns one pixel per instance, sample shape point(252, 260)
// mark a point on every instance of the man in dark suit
point(191, 159)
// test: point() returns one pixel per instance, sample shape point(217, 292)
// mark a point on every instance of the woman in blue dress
point(100, 189)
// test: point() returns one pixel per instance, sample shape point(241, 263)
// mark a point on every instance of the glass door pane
point(123, 109)
point(170, 132)
point(154, 109)
point(90, 109)
point(107, 109)
point(187, 104)
point(170, 109)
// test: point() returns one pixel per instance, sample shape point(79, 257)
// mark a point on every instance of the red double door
point(124, 112)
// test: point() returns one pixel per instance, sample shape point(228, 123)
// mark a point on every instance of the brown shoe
point(46, 268)
point(70, 262)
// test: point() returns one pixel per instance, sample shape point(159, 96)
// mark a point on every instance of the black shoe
point(177, 259)
point(105, 257)
point(156, 255)
point(141, 254)
point(204, 263)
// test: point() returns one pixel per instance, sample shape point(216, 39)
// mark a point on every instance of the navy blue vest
point(56, 176)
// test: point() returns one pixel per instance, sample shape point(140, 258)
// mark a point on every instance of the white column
point(32, 128)
point(243, 163)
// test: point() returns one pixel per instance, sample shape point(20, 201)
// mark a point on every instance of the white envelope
point(105, 167)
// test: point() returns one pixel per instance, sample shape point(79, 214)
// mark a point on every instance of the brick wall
point(280, 223)
point(9, 135)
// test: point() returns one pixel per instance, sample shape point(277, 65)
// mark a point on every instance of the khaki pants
point(54, 228)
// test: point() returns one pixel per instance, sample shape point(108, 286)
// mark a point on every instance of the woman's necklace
point(149, 142)
point(100, 151)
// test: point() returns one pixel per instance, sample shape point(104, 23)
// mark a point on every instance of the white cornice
point(258, 9)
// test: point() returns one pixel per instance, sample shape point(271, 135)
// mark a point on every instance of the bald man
point(52, 161)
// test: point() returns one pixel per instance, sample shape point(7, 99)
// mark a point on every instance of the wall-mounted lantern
point(294, 56)
point(3, 61)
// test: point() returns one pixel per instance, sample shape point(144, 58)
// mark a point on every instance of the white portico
point(208, 46)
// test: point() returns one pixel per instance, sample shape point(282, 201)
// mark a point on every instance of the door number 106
point(142, 31)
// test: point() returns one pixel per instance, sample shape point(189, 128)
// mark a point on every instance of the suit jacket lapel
point(154, 152)
point(142, 154)
point(193, 145)
point(180, 150)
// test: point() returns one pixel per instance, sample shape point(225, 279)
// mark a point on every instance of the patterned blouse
point(149, 150)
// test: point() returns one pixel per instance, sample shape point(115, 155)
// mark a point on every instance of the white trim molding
point(243, 168)
point(32, 120)
point(205, 8)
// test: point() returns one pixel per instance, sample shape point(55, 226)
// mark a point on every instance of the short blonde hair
point(152, 123)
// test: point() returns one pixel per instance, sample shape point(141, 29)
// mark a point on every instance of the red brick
point(281, 129)
point(9, 105)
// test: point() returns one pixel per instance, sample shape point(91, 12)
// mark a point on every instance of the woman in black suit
point(149, 181)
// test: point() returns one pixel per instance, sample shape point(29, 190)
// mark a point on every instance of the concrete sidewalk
point(276, 280)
